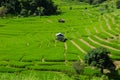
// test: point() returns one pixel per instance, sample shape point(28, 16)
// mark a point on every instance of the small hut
point(60, 37)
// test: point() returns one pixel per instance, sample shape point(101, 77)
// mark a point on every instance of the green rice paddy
point(28, 46)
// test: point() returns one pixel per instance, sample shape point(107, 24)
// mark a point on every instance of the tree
point(13, 7)
point(99, 58)
point(29, 7)
point(118, 4)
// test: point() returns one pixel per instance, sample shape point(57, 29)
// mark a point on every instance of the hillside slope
point(28, 44)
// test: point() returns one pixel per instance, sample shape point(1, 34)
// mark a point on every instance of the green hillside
point(29, 51)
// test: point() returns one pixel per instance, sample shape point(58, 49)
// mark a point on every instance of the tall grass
point(34, 76)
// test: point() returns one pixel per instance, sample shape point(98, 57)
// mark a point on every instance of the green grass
point(107, 44)
point(72, 50)
point(29, 43)
point(34, 75)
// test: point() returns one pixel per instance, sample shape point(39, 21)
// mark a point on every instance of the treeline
point(118, 4)
point(29, 7)
point(93, 1)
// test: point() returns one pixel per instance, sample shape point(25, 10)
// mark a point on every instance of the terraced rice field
point(28, 44)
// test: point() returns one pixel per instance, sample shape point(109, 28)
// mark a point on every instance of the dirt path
point(88, 31)
point(96, 30)
point(101, 39)
point(117, 28)
point(117, 63)
point(49, 21)
point(109, 27)
point(107, 32)
point(80, 59)
point(65, 52)
point(83, 41)
point(65, 46)
point(113, 20)
point(103, 45)
point(76, 45)
point(107, 24)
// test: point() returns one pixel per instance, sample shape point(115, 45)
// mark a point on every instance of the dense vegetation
point(99, 57)
point(29, 7)
point(29, 50)
point(118, 4)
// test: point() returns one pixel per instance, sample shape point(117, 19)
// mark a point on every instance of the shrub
point(98, 57)
point(78, 67)
point(118, 4)
point(24, 12)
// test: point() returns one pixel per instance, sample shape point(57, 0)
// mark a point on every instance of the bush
point(24, 12)
point(78, 67)
point(118, 4)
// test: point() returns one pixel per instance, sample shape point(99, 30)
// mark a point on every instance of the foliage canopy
point(29, 7)
point(99, 57)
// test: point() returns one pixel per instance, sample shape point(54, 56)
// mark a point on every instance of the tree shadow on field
point(114, 75)
point(59, 12)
